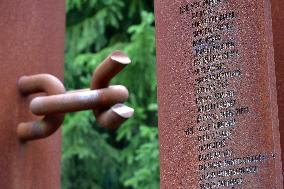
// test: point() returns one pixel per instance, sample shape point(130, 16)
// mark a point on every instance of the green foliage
point(92, 156)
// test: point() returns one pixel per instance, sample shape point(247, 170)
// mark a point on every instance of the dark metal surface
point(278, 41)
point(32, 42)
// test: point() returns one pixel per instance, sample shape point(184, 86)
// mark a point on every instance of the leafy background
point(94, 157)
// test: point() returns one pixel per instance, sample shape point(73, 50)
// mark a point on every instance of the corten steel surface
point(218, 114)
point(32, 42)
point(278, 38)
point(106, 102)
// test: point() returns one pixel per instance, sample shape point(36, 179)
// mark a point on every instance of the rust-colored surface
point(218, 113)
point(78, 101)
point(49, 85)
point(32, 42)
point(111, 66)
point(105, 100)
point(278, 38)
point(112, 115)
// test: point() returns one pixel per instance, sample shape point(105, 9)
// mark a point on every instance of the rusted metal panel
point(278, 40)
point(218, 112)
point(31, 42)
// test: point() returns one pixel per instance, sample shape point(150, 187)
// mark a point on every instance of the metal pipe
point(50, 123)
point(113, 116)
point(40, 83)
point(105, 101)
point(39, 129)
point(77, 101)
point(110, 67)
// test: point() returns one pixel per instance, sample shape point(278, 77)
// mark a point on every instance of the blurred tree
point(92, 156)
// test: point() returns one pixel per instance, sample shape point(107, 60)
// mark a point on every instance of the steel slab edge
point(31, 42)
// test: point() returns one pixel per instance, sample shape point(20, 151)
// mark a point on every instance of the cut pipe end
point(120, 57)
point(123, 110)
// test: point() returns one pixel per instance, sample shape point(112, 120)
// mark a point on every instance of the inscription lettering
point(215, 66)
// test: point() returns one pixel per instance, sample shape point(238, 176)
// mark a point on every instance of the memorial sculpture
point(104, 100)
point(217, 94)
point(33, 98)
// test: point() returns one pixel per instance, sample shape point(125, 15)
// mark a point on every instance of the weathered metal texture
point(111, 116)
point(40, 83)
point(106, 102)
point(78, 101)
point(218, 114)
point(32, 42)
point(278, 39)
point(111, 66)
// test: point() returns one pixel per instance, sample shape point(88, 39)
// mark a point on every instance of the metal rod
point(35, 84)
point(77, 101)
point(112, 65)
point(105, 101)
point(40, 83)
point(115, 116)
point(39, 129)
